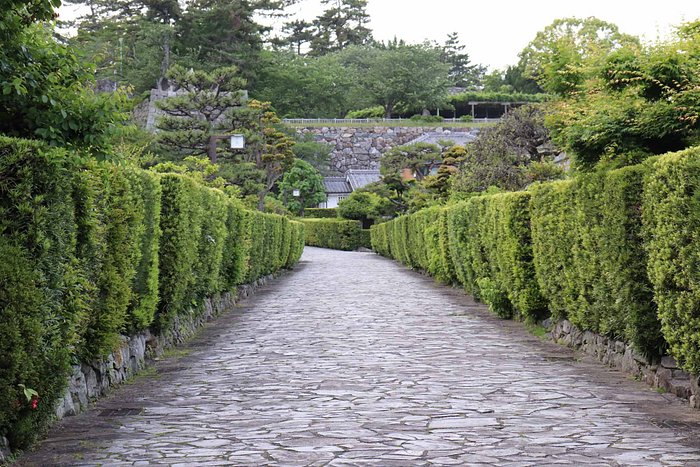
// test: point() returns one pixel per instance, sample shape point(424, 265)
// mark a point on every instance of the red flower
point(35, 403)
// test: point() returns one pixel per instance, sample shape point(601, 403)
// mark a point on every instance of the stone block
point(669, 362)
point(4, 449)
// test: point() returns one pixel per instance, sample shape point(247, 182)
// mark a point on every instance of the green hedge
point(338, 234)
point(601, 250)
point(93, 251)
point(672, 228)
point(321, 213)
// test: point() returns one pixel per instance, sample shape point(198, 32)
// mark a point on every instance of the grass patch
point(538, 330)
point(174, 352)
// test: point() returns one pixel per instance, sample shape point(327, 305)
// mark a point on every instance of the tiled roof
point(458, 138)
point(359, 178)
point(336, 185)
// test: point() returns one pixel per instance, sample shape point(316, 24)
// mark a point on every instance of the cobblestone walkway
point(353, 360)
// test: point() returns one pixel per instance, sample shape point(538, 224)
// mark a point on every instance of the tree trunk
point(261, 200)
point(212, 149)
point(388, 110)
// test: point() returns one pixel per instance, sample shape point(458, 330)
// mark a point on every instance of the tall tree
point(341, 25)
point(307, 182)
point(462, 72)
point(218, 33)
point(564, 53)
point(413, 75)
point(268, 148)
point(298, 33)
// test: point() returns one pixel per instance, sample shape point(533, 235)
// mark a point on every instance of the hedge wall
point(321, 213)
point(672, 228)
point(338, 234)
point(602, 250)
point(93, 251)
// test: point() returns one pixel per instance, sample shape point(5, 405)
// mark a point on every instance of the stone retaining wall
point(361, 148)
point(665, 375)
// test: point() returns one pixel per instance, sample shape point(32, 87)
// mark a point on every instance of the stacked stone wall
point(362, 147)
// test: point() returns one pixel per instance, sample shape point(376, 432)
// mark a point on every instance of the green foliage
point(412, 75)
point(419, 158)
point(590, 259)
point(319, 213)
point(308, 183)
point(362, 206)
point(510, 155)
point(194, 116)
point(567, 51)
point(341, 25)
point(639, 102)
point(45, 93)
point(329, 87)
point(337, 234)
point(462, 72)
point(316, 153)
point(495, 96)
point(671, 217)
point(41, 283)
point(369, 112)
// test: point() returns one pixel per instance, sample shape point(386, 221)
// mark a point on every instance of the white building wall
point(332, 201)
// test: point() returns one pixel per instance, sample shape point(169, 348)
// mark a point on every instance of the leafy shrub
point(321, 213)
point(331, 233)
point(44, 311)
point(672, 220)
point(370, 112)
point(91, 251)
point(590, 258)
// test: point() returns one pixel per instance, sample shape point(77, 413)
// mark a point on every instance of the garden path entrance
point(354, 360)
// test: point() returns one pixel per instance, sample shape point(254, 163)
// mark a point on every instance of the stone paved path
point(353, 360)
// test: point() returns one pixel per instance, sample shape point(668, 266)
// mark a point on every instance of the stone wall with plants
point(92, 252)
point(362, 147)
point(612, 253)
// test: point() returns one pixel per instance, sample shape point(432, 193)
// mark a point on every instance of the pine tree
point(340, 26)
point(194, 118)
point(462, 72)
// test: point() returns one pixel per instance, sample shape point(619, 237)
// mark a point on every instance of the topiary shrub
point(331, 233)
point(42, 284)
point(671, 214)
point(321, 213)
point(181, 227)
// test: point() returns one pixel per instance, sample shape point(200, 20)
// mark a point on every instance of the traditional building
point(339, 188)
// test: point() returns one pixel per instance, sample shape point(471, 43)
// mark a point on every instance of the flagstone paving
point(354, 360)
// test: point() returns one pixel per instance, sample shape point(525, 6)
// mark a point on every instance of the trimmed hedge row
point(321, 213)
point(93, 251)
point(338, 234)
point(601, 250)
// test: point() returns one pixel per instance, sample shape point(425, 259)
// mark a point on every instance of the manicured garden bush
point(92, 251)
point(320, 213)
point(590, 258)
point(337, 234)
point(42, 304)
point(570, 248)
point(672, 223)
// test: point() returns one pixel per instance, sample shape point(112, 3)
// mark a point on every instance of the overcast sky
point(495, 31)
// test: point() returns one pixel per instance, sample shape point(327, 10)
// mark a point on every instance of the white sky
point(494, 31)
